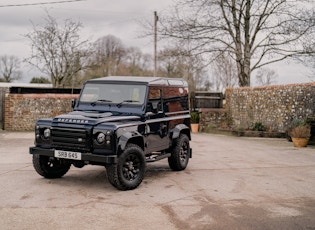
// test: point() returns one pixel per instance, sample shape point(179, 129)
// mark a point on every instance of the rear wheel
point(129, 171)
point(180, 154)
point(50, 167)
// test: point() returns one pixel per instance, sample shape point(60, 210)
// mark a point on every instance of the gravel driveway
point(230, 183)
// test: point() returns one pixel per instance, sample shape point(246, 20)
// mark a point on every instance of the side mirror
point(149, 107)
point(73, 103)
point(155, 107)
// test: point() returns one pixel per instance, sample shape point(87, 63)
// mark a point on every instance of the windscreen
point(113, 93)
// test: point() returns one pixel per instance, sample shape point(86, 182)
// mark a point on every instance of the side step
point(153, 158)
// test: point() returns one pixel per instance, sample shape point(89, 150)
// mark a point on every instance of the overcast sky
point(99, 18)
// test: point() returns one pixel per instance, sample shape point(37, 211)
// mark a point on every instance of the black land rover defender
point(121, 123)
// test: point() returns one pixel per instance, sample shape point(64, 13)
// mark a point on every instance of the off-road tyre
point(129, 171)
point(50, 167)
point(180, 153)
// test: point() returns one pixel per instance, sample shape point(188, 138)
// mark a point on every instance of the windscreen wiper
point(101, 100)
point(125, 101)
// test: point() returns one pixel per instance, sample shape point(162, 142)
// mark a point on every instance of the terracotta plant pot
point(300, 142)
point(194, 128)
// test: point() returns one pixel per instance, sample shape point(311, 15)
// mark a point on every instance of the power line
point(42, 3)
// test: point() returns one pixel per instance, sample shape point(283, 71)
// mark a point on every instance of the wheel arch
point(130, 137)
point(181, 128)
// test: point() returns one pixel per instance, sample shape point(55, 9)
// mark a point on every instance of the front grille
point(72, 139)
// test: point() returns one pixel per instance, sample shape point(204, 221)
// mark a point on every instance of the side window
point(154, 94)
point(175, 98)
point(155, 100)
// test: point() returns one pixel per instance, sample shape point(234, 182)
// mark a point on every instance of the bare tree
point(309, 60)
point(136, 63)
point(173, 62)
point(224, 72)
point(112, 57)
point(266, 76)
point(108, 53)
point(9, 68)
point(58, 51)
point(254, 33)
point(178, 62)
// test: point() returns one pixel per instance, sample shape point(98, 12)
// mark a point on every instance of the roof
point(145, 80)
point(18, 84)
point(127, 78)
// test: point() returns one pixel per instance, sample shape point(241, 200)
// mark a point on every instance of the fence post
point(2, 96)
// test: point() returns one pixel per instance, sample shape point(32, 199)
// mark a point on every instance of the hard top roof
point(145, 80)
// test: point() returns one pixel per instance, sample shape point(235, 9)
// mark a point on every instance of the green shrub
point(299, 129)
point(258, 126)
point(194, 117)
point(240, 128)
point(297, 122)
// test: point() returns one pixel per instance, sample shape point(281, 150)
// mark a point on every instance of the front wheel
point(129, 171)
point(180, 154)
point(50, 167)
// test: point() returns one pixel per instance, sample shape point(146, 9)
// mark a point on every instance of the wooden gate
point(201, 99)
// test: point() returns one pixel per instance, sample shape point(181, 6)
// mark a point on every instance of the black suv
point(121, 123)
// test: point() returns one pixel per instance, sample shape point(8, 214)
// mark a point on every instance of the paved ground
point(230, 183)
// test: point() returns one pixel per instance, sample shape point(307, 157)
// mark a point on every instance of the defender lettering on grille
point(73, 120)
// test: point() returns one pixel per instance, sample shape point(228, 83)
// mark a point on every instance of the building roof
point(18, 84)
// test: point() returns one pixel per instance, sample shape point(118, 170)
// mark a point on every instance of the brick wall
point(274, 106)
point(23, 110)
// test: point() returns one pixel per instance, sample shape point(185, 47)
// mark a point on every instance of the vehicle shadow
point(95, 177)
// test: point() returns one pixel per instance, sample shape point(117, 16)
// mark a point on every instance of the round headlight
point(47, 133)
point(100, 138)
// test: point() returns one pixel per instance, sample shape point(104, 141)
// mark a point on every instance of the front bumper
point(86, 157)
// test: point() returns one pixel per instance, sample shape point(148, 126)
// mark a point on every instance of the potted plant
point(300, 132)
point(194, 121)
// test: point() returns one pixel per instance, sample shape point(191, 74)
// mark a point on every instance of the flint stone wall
point(23, 110)
point(274, 106)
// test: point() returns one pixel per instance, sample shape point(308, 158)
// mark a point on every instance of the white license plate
point(68, 155)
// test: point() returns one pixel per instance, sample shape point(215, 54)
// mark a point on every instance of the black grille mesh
point(70, 138)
